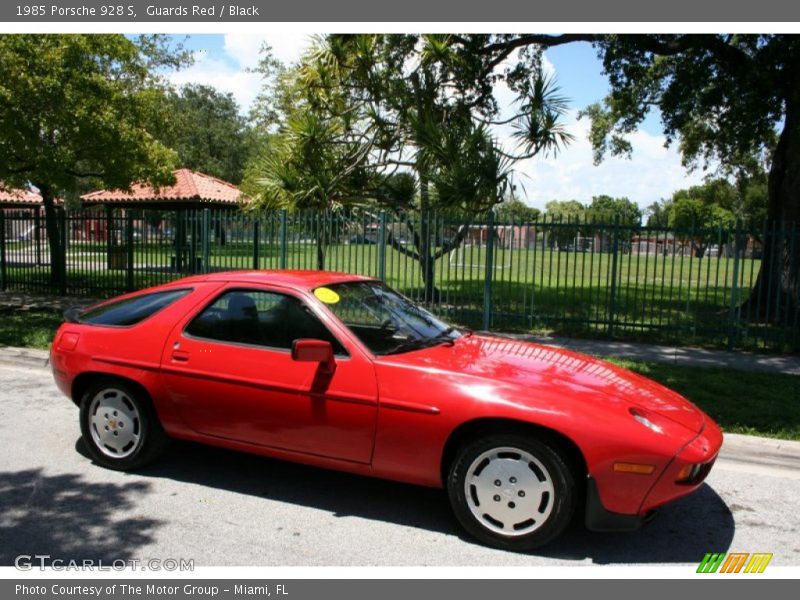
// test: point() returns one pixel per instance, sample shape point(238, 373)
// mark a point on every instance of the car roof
point(291, 278)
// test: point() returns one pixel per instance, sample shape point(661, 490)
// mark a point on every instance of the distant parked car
point(341, 372)
point(28, 235)
point(360, 239)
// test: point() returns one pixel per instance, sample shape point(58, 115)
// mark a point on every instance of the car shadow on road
point(342, 494)
point(70, 519)
point(682, 533)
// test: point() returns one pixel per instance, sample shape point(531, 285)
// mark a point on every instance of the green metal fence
point(605, 279)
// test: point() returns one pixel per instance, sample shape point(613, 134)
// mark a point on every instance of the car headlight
point(641, 418)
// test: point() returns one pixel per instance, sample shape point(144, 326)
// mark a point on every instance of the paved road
point(222, 508)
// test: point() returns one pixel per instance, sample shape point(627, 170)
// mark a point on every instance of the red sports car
point(339, 371)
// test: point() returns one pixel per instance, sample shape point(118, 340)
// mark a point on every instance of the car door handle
point(180, 356)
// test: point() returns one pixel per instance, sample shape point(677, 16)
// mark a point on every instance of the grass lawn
point(765, 404)
point(662, 299)
point(28, 328)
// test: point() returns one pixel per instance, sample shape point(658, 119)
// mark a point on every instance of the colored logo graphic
point(734, 562)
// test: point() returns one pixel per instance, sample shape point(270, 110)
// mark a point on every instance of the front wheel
point(120, 426)
point(511, 491)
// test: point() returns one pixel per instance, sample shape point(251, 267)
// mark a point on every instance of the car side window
point(130, 311)
point(260, 318)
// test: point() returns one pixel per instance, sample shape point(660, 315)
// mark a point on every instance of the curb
point(753, 454)
point(24, 357)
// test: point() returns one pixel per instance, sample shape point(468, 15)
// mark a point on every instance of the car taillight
point(68, 340)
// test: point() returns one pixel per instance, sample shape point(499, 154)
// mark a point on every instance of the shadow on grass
point(684, 532)
point(668, 315)
point(632, 305)
point(28, 328)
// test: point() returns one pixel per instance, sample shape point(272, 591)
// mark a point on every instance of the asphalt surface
point(222, 508)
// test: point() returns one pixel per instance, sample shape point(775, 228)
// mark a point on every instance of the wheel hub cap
point(115, 423)
point(509, 491)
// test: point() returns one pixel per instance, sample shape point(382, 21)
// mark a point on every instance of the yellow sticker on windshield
point(327, 295)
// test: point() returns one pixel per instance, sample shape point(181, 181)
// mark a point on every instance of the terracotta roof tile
point(189, 186)
point(21, 197)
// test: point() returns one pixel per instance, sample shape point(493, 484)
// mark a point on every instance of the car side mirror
point(318, 351)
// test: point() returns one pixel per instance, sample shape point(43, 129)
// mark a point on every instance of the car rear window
point(130, 311)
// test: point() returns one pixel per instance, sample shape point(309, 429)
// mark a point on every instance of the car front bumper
point(697, 458)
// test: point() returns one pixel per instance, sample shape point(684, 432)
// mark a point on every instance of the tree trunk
point(774, 297)
point(423, 99)
point(426, 259)
point(220, 232)
point(53, 231)
point(320, 242)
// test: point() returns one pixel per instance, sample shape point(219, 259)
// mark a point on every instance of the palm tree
point(370, 107)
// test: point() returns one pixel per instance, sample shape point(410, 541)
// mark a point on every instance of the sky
point(653, 172)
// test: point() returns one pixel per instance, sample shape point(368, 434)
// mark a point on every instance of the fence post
point(255, 243)
point(62, 258)
point(37, 236)
point(733, 317)
point(129, 250)
point(488, 273)
point(2, 250)
point(109, 237)
point(194, 231)
point(180, 239)
point(284, 236)
point(206, 239)
point(612, 297)
point(382, 247)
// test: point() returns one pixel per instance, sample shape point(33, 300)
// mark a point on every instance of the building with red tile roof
point(16, 198)
point(190, 190)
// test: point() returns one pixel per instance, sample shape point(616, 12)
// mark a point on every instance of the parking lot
point(222, 508)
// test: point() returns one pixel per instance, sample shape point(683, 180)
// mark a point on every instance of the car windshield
point(384, 321)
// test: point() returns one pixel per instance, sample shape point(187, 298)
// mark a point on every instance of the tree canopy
point(417, 106)
point(730, 102)
point(514, 210)
point(566, 210)
point(207, 132)
point(733, 100)
point(605, 209)
point(746, 201)
point(74, 107)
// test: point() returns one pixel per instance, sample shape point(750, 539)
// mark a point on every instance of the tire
point(119, 425)
point(511, 491)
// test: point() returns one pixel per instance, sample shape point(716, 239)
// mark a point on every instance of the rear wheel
point(120, 426)
point(511, 491)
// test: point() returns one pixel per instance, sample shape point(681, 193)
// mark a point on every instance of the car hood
point(532, 366)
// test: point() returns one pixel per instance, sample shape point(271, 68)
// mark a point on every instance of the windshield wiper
point(442, 336)
point(407, 345)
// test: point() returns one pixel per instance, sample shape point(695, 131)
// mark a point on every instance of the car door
point(230, 373)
